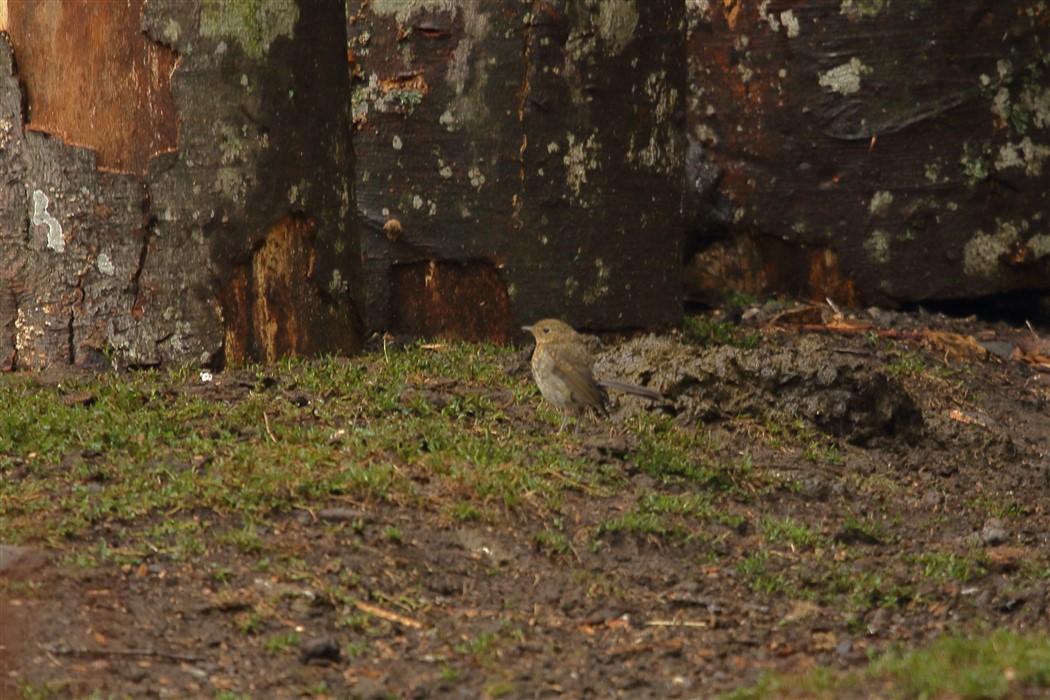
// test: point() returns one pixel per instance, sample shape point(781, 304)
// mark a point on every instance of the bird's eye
point(546, 329)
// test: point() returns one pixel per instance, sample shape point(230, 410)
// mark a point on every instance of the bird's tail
point(625, 388)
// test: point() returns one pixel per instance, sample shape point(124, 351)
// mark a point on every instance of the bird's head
point(550, 330)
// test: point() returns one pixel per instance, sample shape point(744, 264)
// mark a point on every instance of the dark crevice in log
point(71, 340)
point(11, 361)
point(1011, 307)
point(147, 231)
point(523, 103)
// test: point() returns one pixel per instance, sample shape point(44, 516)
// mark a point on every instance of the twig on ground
point(387, 615)
point(702, 624)
point(64, 650)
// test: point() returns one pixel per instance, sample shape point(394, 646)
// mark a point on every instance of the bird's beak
point(527, 328)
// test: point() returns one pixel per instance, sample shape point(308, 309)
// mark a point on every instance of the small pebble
point(815, 487)
point(994, 532)
point(319, 649)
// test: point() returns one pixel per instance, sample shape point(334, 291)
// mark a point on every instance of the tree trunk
point(517, 160)
point(231, 241)
point(520, 159)
point(873, 152)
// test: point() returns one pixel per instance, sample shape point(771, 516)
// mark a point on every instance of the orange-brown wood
point(93, 78)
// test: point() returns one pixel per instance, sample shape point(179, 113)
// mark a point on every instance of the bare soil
point(884, 462)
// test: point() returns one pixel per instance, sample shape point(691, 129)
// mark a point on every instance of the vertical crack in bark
point(17, 286)
point(523, 100)
point(10, 328)
point(149, 222)
point(78, 297)
point(526, 91)
point(70, 339)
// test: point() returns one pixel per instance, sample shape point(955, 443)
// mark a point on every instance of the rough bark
point(519, 159)
point(235, 243)
point(870, 151)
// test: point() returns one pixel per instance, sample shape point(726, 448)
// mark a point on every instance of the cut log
point(871, 152)
point(229, 239)
point(537, 144)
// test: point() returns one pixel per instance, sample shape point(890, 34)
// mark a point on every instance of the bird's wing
point(581, 383)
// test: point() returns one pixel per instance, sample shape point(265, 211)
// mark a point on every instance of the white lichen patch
point(477, 178)
point(402, 10)
point(856, 10)
point(231, 143)
point(1001, 105)
point(699, 7)
point(791, 23)
point(395, 143)
point(1040, 245)
point(660, 150)
point(105, 264)
point(26, 333)
point(385, 96)
point(612, 22)
point(42, 217)
point(880, 202)
point(765, 16)
point(1019, 112)
point(580, 157)
point(933, 171)
point(617, 21)
point(983, 252)
point(878, 246)
point(171, 32)
point(845, 78)
point(1027, 154)
point(362, 97)
point(600, 288)
point(1004, 67)
point(5, 133)
point(230, 182)
point(337, 285)
point(785, 20)
point(467, 73)
point(662, 94)
point(1038, 103)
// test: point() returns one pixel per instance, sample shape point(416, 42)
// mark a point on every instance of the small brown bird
point(562, 368)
